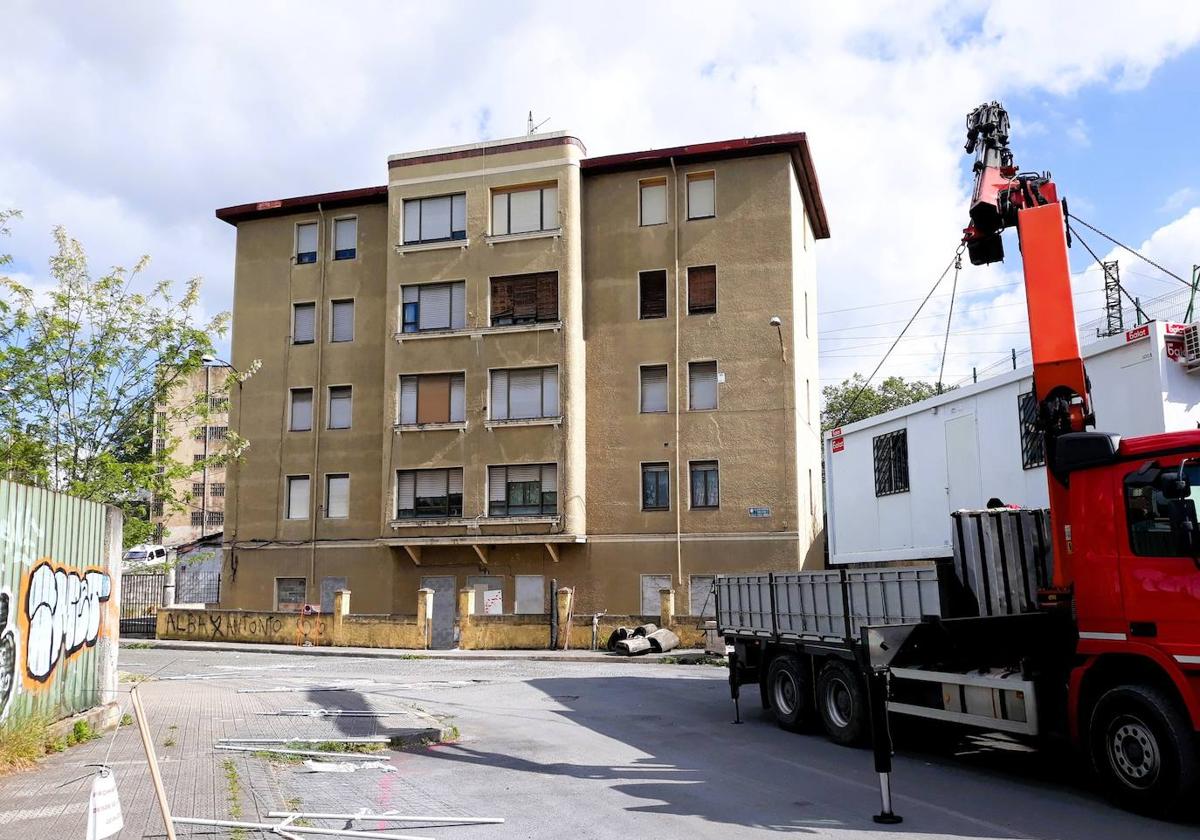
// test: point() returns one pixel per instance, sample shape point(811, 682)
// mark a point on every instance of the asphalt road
point(571, 750)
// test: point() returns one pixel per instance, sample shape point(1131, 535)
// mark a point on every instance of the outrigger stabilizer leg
point(735, 688)
point(881, 743)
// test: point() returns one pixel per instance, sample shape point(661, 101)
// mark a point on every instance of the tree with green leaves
point(853, 399)
point(85, 364)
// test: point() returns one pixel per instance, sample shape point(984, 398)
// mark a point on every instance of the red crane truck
point(1105, 652)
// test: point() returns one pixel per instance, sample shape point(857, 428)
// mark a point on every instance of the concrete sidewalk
point(673, 657)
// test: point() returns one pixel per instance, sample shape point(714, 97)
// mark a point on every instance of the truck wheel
point(787, 690)
point(842, 703)
point(1144, 751)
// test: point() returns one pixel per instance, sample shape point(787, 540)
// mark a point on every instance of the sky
point(130, 123)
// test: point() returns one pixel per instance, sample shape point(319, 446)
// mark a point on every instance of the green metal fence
point(59, 593)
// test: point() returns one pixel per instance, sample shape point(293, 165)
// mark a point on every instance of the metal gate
point(141, 596)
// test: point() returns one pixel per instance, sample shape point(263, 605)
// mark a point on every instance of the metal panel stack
point(1002, 557)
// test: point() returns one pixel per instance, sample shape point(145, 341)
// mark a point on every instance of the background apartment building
point(515, 363)
point(195, 440)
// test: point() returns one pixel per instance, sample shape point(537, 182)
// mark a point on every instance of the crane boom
point(1004, 198)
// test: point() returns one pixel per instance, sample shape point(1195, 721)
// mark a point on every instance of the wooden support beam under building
point(482, 551)
point(414, 551)
point(552, 550)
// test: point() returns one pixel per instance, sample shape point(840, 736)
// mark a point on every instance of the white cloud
point(131, 124)
point(1179, 199)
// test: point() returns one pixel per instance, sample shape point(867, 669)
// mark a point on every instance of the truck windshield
point(1150, 531)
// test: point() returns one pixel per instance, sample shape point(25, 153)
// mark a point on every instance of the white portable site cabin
point(892, 481)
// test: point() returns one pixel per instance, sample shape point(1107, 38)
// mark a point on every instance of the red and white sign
point(1137, 333)
point(839, 443)
point(1174, 329)
point(836, 433)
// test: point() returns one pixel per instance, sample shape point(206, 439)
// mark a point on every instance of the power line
point(1140, 256)
point(1137, 306)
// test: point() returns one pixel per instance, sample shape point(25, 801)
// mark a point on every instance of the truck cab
point(1133, 545)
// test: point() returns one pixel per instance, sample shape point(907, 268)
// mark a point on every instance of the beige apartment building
point(516, 364)
point(195, 441)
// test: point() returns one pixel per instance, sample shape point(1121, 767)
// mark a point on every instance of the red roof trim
point(793, 143)
point(302, 204)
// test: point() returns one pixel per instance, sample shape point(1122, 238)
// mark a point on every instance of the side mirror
point(1174, 484)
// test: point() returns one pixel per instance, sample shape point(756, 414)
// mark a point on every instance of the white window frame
point(353, 316)
point(720, 482)
point(717, 385)
point(287, 488)
point(638, 396)
point(693, 176)
point(329, 408)
point(400, 321)
point(315, 309)
point(296, 241)
point(415, 425)
point(487, 490)
point(666, 201)
point(419, 519)
point(518, 188)
point(325, 507)
point(312, 407)
point(420, 198)
point(529, 420)
point(333, 257)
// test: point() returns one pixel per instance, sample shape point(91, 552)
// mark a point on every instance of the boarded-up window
point(340, 406)
point(304, 323)
point(653, 398)
point(652, 197)
point(702, 386)
point(525, 298)
point(524, 393)
point(701, 195)
point(429, 494)
point(342, 320)
point(301, 414)
point(432, 398)
point(289, 594)
point(702, 289)
point(531, 595)
point(652, 294)
point(297, 497)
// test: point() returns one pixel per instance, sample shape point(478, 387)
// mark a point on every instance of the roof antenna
point(530, 128)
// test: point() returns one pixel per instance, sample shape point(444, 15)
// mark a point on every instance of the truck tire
point(787, 691)
point(842, 703)
point(1144, 750)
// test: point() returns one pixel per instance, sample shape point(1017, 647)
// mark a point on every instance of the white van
point(145, 555)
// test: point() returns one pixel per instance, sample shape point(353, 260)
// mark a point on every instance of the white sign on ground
point(104, 810)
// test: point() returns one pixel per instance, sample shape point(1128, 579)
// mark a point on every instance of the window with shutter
point(524, 209)
point(525, 298)
point(433, 399)
point(458, 398)
point(653, 389)
point(547, 297)
point(301, 414)
point(306, 243)
point(340, 406)
point(345, 239)
point(652, 201)
point(304, 317)
point(435, 219)
point(337, 496)
point(342, 320)
point(702, 386)
point(433, 306)
point(525, 490)
point(408, 400)
point(297, 497)
point(656, 486)
point(524, 393)
point(652, 294)
point(429, 494)
point(702, 289)
point(705, 484)
point(701, 197)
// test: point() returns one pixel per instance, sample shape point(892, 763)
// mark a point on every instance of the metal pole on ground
point(554, 614)
point(881, 743)
point(152, 761)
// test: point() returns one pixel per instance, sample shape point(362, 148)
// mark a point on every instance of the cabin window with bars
point(219, 403)
point(434, 306)
point(436, 219)
point(216, 518)
point(653, 389)
point(429, 494)
point(306, 243)
point(652, 201)
point(524, 209)
point(891, 462)
point(525, 490)
point(524, 394)
point(197, 519)
point(304, 323)
point(345, 238)
point(706, 485)
point(702, 289)
point(341, 321)
point(218, 432)
point(197, 489)
point(217, 490)
point(432, 398)
point(652, 294)
point(656, 486)
point(1033, 440)
point(525, 298)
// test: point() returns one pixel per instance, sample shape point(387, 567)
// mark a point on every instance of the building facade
point(195, 441)
point(516, 364)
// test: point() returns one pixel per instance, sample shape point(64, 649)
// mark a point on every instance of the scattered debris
point(662, 640)
point(287, 827)
point(336, 713)
point(346, 766)
point(633, 646)
point(387, 816)
point(315, 753)
point(618, 635)
point(361, 739)
point(645, 629)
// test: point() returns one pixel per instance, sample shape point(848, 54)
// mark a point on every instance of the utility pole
point(1115, 320)
point(1187, 318)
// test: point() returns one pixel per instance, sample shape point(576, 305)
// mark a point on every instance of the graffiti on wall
point(61, 616)
point(8, 654)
